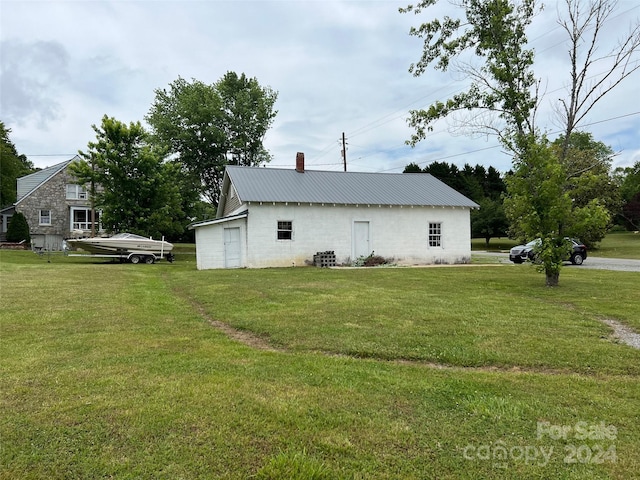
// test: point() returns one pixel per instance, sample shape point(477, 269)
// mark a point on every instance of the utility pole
point(344, 152)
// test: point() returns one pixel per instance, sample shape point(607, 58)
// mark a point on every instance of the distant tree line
point(600, 197)
point(12, 166)
point(484, 186)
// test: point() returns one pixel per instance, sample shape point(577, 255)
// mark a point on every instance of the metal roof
point(214, 221)
point(255, 184)
point(29, 183)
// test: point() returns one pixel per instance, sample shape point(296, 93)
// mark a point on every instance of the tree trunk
point(552, 278)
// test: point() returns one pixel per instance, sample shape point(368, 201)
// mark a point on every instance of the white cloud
point(339, 66)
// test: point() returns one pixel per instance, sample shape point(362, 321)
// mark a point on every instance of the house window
point(81, 219)
point(285, 230)
point(435, 234)
point(45, 217)
point(76, 192)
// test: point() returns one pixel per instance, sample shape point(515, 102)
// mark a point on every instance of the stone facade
point(51, 196)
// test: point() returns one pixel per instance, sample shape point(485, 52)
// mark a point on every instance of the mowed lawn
point(614, 245)
point(122, 371)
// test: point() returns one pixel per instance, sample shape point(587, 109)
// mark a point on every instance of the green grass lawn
point(614, 245)
point(495, 244)
point(116, 371)
point(619, 245)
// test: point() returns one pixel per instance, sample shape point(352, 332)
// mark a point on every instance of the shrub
point(371, 260)
point(18, 229)
point(374, 260)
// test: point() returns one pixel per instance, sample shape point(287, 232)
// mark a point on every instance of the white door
point(361, 247)
point(232, 247)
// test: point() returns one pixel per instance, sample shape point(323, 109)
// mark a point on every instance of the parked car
point(522, 253)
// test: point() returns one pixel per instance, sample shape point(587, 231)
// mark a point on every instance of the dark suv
point(521, 253)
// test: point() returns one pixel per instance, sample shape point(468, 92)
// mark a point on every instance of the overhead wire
point(385, 119)
point(402, 111)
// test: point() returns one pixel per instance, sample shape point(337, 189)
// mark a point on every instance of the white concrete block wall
point(210, 244)
point(398, 233)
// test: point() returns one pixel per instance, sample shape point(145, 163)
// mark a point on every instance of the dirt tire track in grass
point(245, 337)
point(623, 333)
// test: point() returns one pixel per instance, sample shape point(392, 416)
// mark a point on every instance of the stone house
point(54, 205)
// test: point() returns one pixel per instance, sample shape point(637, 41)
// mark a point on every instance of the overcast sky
point(338, 66)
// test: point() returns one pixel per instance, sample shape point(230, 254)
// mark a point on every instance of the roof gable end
point(30, 183)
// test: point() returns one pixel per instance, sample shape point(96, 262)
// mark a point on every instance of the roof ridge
point(47, 173)
point(345, 188)
point(307, 170)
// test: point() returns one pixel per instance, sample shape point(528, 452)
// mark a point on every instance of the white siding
point(398, 233)
point(210, 244)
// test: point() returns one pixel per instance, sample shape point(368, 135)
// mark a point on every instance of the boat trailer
point(131, 257)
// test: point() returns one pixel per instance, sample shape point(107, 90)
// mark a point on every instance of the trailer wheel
point(150, 259)
point(134, 259)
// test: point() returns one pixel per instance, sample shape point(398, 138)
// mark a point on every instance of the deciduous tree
point(502, 97)
point(12, 166)
point(138, 192)
point(628, 181)
point(538, 206)
point(589, 184)
point(489, 221)
point(210, 126)
point(503, 87)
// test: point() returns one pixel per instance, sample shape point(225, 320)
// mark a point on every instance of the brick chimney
point(300, 162)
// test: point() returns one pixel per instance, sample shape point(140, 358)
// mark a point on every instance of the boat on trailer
point(125, 246)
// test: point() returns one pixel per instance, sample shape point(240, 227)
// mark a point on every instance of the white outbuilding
point(270, 217)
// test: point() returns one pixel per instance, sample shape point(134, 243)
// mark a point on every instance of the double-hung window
point(285, 230)
point(76, 192)
point(435, 234)
point(45, 217)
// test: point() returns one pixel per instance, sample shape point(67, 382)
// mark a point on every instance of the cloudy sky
point(337, 65)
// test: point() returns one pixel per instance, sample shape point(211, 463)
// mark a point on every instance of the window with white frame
point(45, 217)
point(285, 230)
point(76, 192)
point(81, 219)
point(435, 234)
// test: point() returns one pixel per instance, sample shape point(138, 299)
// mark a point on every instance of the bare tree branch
point(584, 27)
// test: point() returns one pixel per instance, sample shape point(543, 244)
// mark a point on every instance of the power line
point(439, 159)
point(403, 111)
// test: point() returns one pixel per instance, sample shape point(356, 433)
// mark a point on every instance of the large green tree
point(538, 206)
point(503, 86)
point(12, 166)
point(135, 189)
point(502, 99)
point(628, 181)
point(210, 126)
point(589, 184)
point(489, 221)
